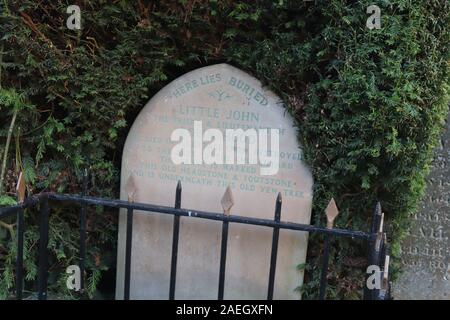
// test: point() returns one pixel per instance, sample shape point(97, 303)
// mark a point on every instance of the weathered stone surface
point(222, 97)
point(426, 251)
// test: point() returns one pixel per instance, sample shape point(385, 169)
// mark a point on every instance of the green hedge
point(369, 104)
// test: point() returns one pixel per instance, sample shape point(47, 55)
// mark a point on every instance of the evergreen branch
point(8, 142)
point(9, 227)
point(29, 22)
point(1, 62)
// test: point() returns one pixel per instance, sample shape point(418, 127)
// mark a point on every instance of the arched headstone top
point(225, 99)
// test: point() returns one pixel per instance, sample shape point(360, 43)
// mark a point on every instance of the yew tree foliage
point(369, 104)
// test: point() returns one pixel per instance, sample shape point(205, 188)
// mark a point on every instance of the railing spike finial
point(376, 217)
point(227, 201)
point(278, 204)
point(130, 188)
point(279, 197)
point(378, 212)
point(178, 195)
point(381, 222)
point(331, 212)
point(20, 188)
point(378, 207)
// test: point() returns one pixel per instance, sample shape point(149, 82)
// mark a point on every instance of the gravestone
point(425, 253)
point(222, 97)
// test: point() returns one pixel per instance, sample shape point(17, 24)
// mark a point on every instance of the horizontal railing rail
point(208, 215)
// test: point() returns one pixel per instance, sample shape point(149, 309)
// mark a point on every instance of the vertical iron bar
point(273, 258)
point(324, 271)
point(378, 261)
point(372, 251)
point(223, 259)
point(128, 253)
point(385, 280)
point(382, 251)
point(82, 258)
point(19, 259)
point(176, 231)
point(43, 243)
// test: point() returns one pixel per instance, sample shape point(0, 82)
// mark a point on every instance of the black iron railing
point(376, 239)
